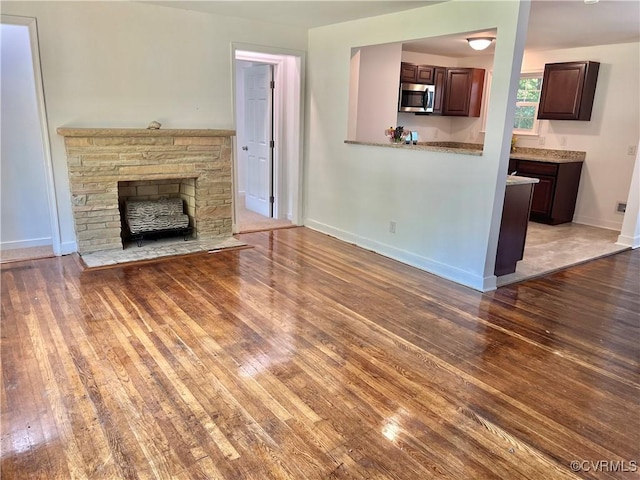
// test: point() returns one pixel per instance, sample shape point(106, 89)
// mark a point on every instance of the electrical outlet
point(631, 150)
point(541, 141)
point(621, 207)
point(392, 227)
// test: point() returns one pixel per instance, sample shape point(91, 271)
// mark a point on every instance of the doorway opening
point(268, 144)
point(30, 226)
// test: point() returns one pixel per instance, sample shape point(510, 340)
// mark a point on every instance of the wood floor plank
point(308, 358)
point(543, 372)
point(82, 398)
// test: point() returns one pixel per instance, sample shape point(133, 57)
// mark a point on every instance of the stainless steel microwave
point(415, 97)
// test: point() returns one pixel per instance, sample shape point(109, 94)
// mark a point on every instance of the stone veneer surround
point(99, 158)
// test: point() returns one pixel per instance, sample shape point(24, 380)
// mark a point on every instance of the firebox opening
point(139, 190)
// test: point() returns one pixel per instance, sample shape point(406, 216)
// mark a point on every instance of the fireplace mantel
point(142, 132)
point(100, 159)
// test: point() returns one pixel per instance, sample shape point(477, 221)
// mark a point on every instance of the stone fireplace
point(108, 166)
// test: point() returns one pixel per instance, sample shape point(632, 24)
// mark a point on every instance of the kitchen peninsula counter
point(424, 146)
point(518, 153)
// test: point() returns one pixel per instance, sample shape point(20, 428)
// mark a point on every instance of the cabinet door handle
point(245, 148)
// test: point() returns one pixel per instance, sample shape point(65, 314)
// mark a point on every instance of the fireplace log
point(145, 216)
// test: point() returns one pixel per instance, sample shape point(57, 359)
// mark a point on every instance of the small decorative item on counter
point(514, 140)
point(154, 125)
point(396, 134)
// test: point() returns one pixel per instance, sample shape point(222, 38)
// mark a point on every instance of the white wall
point(24, 215)
point(377, 102)
point(446, 207)
point(354, 83)
point(124, 64)
point(630, 233)
point(292, 144)
point(614, 127)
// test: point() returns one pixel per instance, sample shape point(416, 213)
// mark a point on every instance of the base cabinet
point(554, 198)
point(543, 198)
point(513, 227)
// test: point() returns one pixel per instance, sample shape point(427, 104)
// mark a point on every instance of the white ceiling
point(302, 13)
point(553, 24)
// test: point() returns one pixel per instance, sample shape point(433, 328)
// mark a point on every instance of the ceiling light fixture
point(480, 43)
point(591, 2)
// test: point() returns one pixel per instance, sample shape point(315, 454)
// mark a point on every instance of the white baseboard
point(28, 243)
point(598, 222)
point(67, 248)
point(633, 242)
point(440, 269)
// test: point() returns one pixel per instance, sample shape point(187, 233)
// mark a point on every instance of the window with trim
point(525, 120)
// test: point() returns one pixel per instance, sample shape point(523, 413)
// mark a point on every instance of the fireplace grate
point(155, 234)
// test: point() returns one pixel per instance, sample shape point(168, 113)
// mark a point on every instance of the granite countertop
point(422, 146)
point(518, 153)
point(547, 155)
point(517, 180)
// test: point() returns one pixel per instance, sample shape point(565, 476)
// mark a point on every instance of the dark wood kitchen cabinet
point(412, 73)
point(513, 227)
point(568, 90)
point(458, 91)
point(439, 79)
point(463, 92)
point(554, 198)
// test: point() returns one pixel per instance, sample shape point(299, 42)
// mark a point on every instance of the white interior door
point(258, 136)
point(25, 213)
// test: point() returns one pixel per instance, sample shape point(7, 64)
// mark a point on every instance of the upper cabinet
point(463, 92)
point(568, 90)
point(439, 79)
point(458, 91)
point(412, 73)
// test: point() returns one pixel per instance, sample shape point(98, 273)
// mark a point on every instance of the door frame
point(287, 180)
point(31, 24)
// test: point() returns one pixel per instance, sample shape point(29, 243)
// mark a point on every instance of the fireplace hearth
point(104, 162)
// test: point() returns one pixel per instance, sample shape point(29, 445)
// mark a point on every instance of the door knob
point(245, 148)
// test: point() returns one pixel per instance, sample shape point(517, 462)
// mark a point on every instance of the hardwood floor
point(309, 358)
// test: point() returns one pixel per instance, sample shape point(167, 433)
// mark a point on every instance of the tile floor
point(553, 247)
